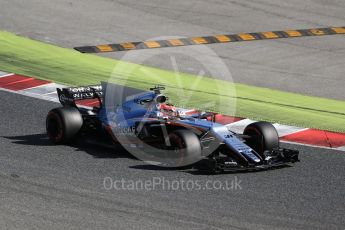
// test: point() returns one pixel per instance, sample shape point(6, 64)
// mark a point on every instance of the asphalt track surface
point(309, 65)
point(54, 187)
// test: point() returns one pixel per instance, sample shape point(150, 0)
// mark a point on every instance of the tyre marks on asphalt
point(46, 90)
point(222, 38)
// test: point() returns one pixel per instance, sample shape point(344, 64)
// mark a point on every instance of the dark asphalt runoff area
point(55, 187)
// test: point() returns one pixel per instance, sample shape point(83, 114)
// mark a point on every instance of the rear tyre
point(186, 148)
point(63, 124)
point(263, 137)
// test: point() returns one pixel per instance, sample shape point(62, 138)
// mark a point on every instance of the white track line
point(238, 126)
point(4, 74)
point(22, 92)
point(47, 91)
point(284, 130)
point(341, 148)
point(54, 92)
point(44, 89)
point(314, 146)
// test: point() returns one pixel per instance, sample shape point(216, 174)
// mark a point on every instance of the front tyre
point(63, 124)
point(186, 148)
point(263, 137)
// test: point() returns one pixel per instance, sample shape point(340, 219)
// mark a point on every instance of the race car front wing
point(276, 158)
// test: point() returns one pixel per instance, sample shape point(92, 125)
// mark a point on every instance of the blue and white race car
point(157, 132)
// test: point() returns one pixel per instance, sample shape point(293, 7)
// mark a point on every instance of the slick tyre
point(263, 136)
point(185, 148)
point(63, 124)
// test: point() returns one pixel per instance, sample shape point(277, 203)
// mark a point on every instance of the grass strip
point(45, 61)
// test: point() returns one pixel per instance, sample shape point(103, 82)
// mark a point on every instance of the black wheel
point(62, 124)
point(263, 136)
point(186, 148)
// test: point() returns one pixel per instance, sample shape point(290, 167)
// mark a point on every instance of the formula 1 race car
point(155, 131)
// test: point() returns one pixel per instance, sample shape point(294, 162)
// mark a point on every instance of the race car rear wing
point(117, 93)
point(68, 96)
